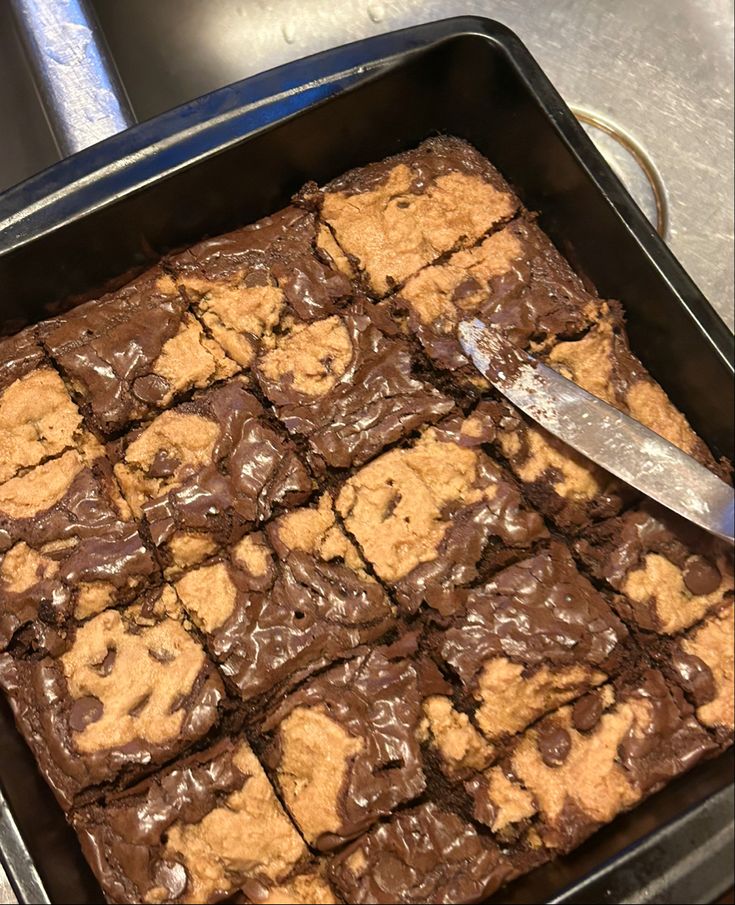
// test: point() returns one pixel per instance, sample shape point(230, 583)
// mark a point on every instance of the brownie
point(669, 573)
point(276, 610)
point(125, 691)
point(424, 854)
point(514, 280)
point(348, 388)
point(345, 749)
point(558, 481)
point(134, 351)
point(602, 363)
point(535, 636)
point(582, 765)
point(702, 662)
point(393, 217)
point(68, 544)
point(245, 284)
point(38, 419)
point(204, 472)
point(195, 832)
point(427, 516)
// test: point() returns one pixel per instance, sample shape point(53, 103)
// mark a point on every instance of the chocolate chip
point(700, 576)
point(696, 677)
point(587, 712)
point(553, 743)
point(171, 876)
point(151, 388)
point(84, 711)
point(107, 665)
point(163, 465)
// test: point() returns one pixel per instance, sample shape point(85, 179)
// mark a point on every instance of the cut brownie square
point(514, 280)
point(669, 573)
point(123, 692)
point(68, 544)
point(38, 419)
point(345, 747)
point(195, 832)
point(274, 612)
point(425, 854)
point(204, 472)
point(702, 662)
point(346, 387)
point(535, 636)
point(394, 217)
point(134, 351)
point(244, 284)
point(427, 516)
point(581, 766)
point(558, 481)
point(602, 363)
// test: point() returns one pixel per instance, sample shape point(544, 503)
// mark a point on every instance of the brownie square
point(558, 481)
point(579, 767)
point(133, 352)
point(393, 217)
point(68, 544)
point(534, 637)
point(38, 419)
point(245, 284)
point(425, 854)
point(514, 280)
point(702, 662)
point(195, 832)
point(203, 473)
point(669, 573)
point(347, 387)
point(277, 609)
point(428, 516)
point(122, 693)
point(345, 748)
point(602, 363)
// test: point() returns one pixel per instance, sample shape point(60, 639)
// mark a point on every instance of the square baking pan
point(239, 153)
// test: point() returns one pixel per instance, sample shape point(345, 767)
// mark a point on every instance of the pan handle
point(83, 97)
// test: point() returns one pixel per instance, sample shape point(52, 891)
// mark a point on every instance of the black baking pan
point(241, 152)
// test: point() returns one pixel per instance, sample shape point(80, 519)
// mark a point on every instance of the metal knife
point(610, 438)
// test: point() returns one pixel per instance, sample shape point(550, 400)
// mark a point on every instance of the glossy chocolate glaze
point(125, 841)
point(278, 250)
point(19, 355)
point(92, 542)
point(539, 611)
point(253, 470)
point(374, 403)
point(377, 700)
point(107, 347)
point(425, 854)
point(298, 618)
point(47, 717)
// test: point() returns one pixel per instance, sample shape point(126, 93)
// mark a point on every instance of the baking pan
point(239, 153)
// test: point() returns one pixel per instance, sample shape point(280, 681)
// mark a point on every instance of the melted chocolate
point(374, 403)
point(377, 700)
point(107, 348)
point(422, 855)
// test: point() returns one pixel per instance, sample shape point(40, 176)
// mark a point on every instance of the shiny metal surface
point(662, 71)
point(82, 97)
point(606, 436)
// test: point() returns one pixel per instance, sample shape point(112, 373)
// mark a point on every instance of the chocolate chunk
point(700, 576)
point(84, 711)
point(586, 712)
point(554, 744)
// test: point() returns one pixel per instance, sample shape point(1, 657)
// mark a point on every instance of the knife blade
point(610, 438)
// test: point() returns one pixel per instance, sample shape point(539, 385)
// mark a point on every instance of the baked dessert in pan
point(293, 607)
